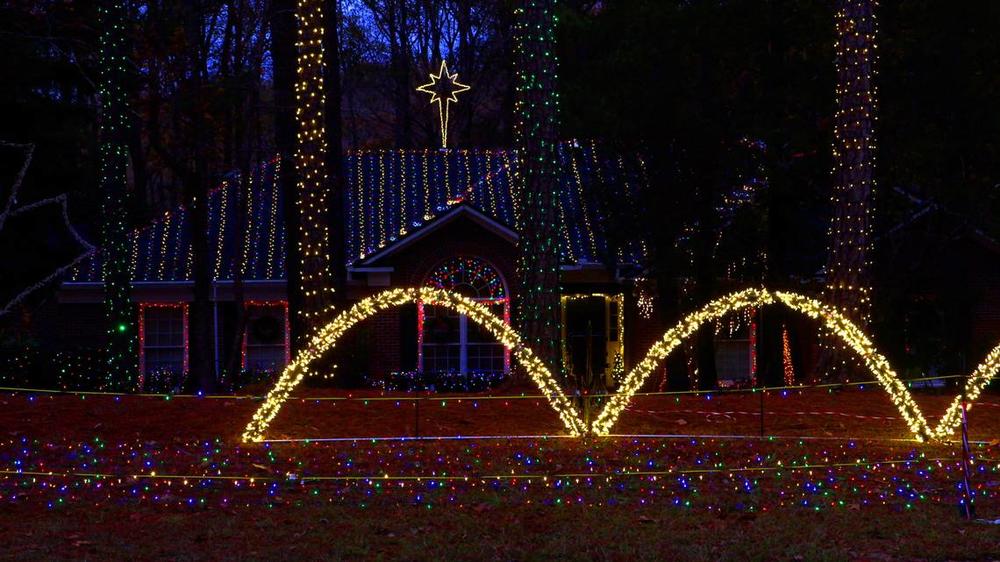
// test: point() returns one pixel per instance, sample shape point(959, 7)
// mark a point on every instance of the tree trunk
point(224, 77)
point(465, 58)
point(282, 15)
point(246, 93)
point(197, 186)
point(313, 190)
point(537, 130)
point(704, 261)
point(119, 312)
point(848, 262)
point(234, 357)
point(334, 149)
point(399, 53)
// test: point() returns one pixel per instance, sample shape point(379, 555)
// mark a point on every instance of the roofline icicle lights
point(830, 318)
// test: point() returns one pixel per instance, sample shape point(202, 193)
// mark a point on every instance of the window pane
point(485, 358)
point(164, 326)
point(266, 325)
point(440, 325)
point(442, 358)
point(163, 339)
point(613, 321)
point(732, 359)
point(165, 360)
point(452, 343)
point(265, 358)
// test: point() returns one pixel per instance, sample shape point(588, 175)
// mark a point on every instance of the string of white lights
point(830, 318)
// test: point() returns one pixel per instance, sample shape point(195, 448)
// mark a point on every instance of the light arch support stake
point(827, 315)
point(328, 336)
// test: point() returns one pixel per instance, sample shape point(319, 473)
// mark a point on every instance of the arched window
point(446, 341)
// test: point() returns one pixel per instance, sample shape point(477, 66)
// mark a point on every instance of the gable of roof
point(462, 210)
point(390, 193)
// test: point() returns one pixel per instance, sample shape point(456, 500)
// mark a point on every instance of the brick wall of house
point(385, 356)
point(640, 335)
point(79, 326)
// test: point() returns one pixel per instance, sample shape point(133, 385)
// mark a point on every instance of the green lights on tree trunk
point(537, 136)
point(122, 372)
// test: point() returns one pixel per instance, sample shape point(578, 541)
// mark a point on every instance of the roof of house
point(392, 195)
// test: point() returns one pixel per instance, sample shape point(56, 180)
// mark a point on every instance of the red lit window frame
point(267, 304)
point(142, 333)
point(487, 301)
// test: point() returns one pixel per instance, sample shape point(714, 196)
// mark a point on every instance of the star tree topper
point(443, 89)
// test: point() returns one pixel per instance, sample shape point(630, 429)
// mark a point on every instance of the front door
point(592, 336)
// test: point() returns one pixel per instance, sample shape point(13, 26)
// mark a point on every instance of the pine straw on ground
point(822, 412)
point(492, 527)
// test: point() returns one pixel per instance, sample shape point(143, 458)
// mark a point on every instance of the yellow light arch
point(832, 320)
point(830, 317)
point(327, 338)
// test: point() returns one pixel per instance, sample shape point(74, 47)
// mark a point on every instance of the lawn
point(835, 477)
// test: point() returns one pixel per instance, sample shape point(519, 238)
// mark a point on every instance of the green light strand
point(114, 127)
point(536, 129)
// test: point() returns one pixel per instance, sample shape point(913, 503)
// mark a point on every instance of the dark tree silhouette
point(334, 146)
point(282, 16)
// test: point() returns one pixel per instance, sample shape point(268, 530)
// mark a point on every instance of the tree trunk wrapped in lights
point(313, 189)
point(536, 132)
point(120, 314)
point(848, 260)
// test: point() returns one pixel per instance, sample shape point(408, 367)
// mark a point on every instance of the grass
point(513, 523)
point(494, 533)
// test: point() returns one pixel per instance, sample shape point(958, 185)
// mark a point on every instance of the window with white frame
point(265, 342)
point(163, 332)
point(447, 341)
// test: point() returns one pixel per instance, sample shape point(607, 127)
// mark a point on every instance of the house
point(945, 273)
point(440, 218)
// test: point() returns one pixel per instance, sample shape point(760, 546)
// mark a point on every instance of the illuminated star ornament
point(443, 89)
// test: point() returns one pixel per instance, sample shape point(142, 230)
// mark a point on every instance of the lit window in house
point(447, 341)
point(265, 343)
point(735, 360)
point(163, 338)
